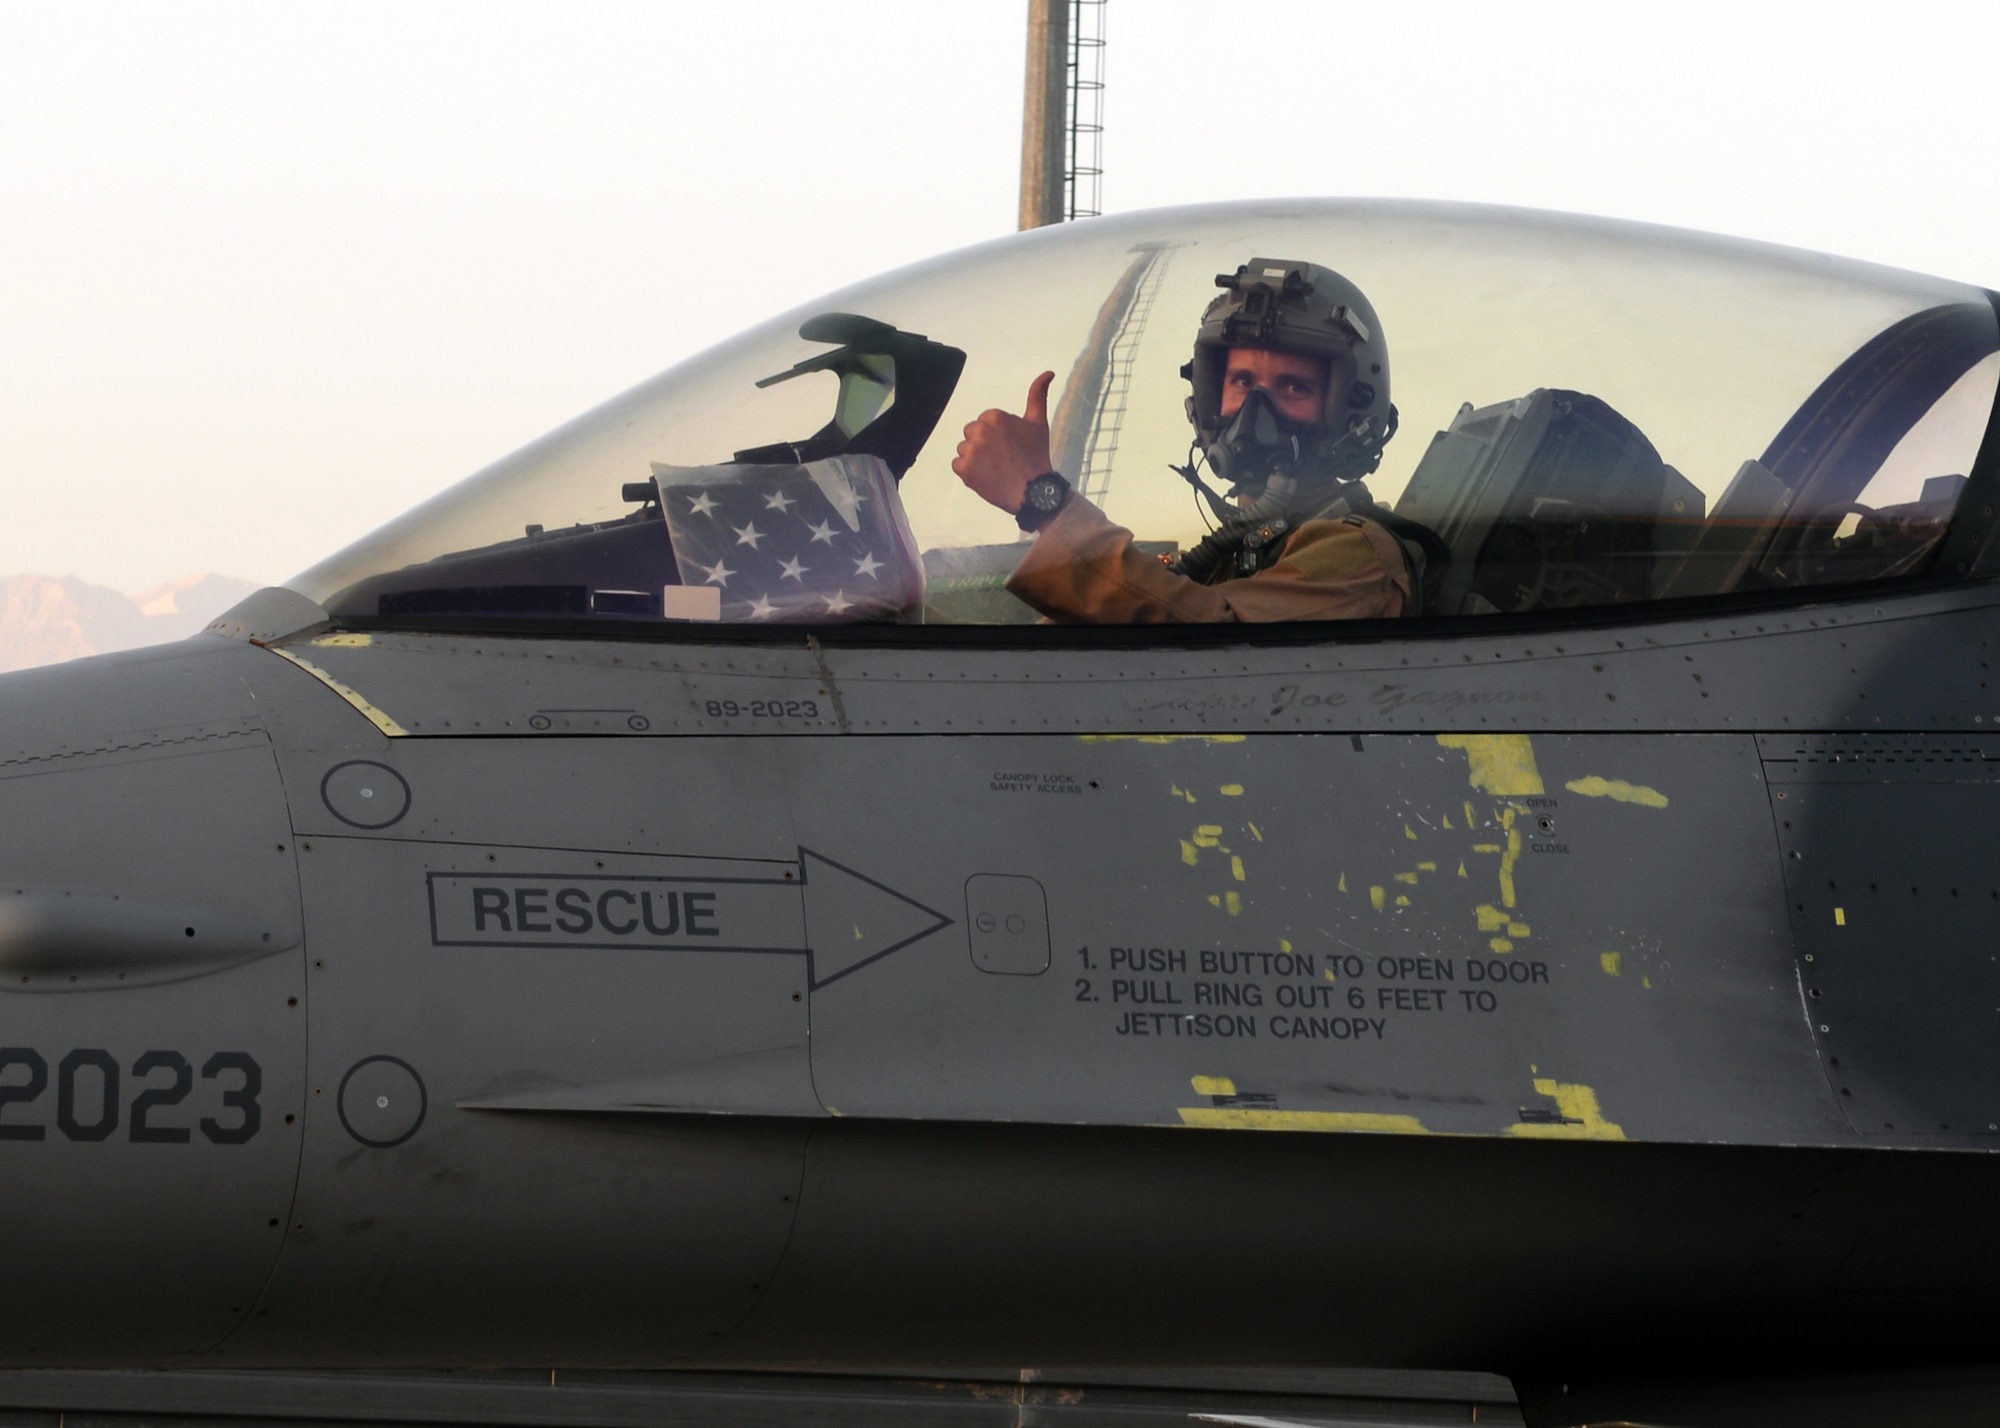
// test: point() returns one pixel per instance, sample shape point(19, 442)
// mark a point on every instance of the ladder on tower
point(1084, 174)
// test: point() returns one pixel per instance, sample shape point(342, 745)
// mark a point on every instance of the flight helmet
point(1284, 305)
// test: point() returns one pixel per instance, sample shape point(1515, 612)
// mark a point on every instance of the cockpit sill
point(1821, 605)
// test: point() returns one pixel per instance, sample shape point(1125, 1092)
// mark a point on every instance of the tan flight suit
point(1082, 569)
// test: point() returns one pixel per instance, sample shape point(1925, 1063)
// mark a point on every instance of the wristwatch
point(1047, 494)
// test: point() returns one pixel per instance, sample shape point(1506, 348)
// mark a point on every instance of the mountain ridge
point(45, 619)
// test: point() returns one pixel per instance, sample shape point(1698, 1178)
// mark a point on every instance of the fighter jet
point(1335, 896)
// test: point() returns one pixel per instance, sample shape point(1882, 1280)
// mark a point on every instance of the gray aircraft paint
point(1668, 998)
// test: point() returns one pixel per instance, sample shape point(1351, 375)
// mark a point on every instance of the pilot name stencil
point(575, 910)
point(1392, 697)
point(1389, 698)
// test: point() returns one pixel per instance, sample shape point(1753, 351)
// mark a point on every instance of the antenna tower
point(1062, 118)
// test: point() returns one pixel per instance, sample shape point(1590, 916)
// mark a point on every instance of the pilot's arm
point(1085, 569)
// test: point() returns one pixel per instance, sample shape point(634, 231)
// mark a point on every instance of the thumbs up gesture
point(1002, 452)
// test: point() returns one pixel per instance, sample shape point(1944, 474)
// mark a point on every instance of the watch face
point(1042, 499)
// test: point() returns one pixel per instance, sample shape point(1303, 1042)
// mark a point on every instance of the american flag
point(825, 543)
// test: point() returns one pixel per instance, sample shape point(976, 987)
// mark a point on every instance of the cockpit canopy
point(1591, 413)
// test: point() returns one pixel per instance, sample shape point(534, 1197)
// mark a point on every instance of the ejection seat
point(1549, 501)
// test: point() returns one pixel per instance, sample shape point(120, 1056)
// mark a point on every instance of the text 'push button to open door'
point(1008, 920)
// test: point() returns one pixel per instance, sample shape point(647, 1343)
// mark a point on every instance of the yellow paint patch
point(1486, 848)
point(1613, 963)
point(1188, 854)
point(1617, 789)
point(1410, 878)
point(1447, 823)
point(1180, 792)
point(360, 705)
point(1328, 974)
point(1254, 833)
point(1647, 983)
point(1215, 899)
point(1517, 929)
point(1284, 944)
point(1461, 870)
point(1239, 1118)
point(1232, 790)
point(1509, 858)
point(1343, 882)
point(1163, 738)
point(1500, 764)
point(1840, 917)
point(1379, 897)
point(1409, 833)
point(344, 642)
point(1234, 903)
point(1471, 818)
point(1212, 1085)
point(1402, 901)
point(1209, 835)
point(1578, 1105)
point(1236, 868)
point(1500, 944)
point(1491, 918)
point(1427, 867)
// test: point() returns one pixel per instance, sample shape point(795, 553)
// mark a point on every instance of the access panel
point(1557, 936)
point(1887, 843)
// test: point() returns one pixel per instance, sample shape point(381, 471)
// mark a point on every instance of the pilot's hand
point(1002, 452)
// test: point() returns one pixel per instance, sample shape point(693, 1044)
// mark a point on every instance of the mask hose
point(1221, 544)
point(1352, 458)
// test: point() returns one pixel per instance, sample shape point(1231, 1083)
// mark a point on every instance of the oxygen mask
point(1257, 443)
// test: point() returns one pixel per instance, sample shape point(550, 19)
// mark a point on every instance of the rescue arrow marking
point(847, 920)
point(850, 917)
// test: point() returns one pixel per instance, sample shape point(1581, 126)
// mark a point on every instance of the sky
point(271, 273)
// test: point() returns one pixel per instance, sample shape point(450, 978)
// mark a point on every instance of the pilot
point(1291, 408)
